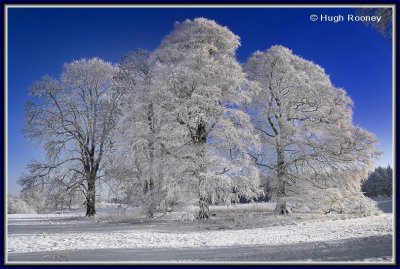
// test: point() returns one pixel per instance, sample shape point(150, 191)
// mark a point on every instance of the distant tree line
point(379, 183)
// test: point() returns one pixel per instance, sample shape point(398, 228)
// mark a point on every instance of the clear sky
point(40, 41)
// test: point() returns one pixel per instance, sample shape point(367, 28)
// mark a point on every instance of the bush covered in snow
point(19, 206)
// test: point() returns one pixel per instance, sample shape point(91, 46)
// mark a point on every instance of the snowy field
point(236, 233)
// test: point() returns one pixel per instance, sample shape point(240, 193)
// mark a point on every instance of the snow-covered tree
point(134, 169)
point(72, 118)
point(205, 137)
point(309, 143)
point(16, 205)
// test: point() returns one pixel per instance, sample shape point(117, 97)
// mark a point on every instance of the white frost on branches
point(183, 122)
point(309, 142)
point(73, 119)
point(187, 124)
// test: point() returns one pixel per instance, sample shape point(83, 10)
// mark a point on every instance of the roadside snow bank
point(275, 235)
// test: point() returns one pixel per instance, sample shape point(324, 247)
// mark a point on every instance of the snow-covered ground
point(71, 233)
point(275, 235)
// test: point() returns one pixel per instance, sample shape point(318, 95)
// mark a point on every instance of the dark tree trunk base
point(203, 215)
point(90, 211)
point(91, 199)
point(204, 212)
point(151, 210)
point(281, 208)
point(281, 211)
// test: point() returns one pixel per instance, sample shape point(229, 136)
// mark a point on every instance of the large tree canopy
point(309, 143)
point(73, 118)
point(206, 136)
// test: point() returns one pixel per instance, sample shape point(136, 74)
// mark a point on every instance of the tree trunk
point(151, 145)
point(281, 193)
point(204, 212)
point(91, 198)
point(152, 206)
point(281, 206)
point(200, 139)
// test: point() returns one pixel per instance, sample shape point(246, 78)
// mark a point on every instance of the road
point(340, 250)
point(385, 205)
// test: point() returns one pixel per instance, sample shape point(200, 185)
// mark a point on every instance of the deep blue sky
point(40, 41)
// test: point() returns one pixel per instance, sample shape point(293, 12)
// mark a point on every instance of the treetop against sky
point(40, 41)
